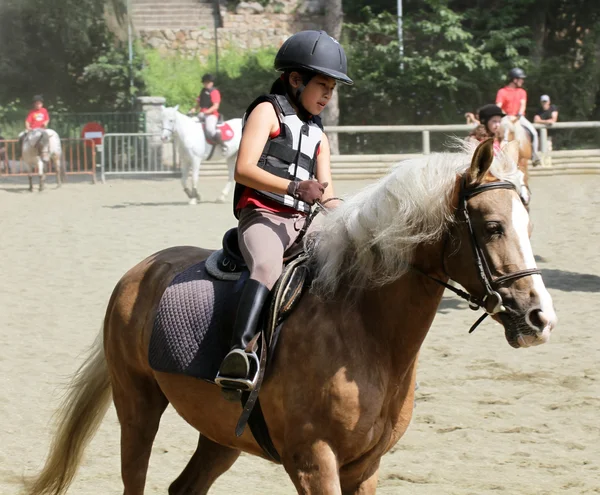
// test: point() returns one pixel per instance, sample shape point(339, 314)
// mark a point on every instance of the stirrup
point(243, 384)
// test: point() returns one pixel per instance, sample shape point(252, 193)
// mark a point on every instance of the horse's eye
point(494, 228)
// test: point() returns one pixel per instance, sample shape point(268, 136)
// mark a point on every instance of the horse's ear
point(511, 150)
point(482, 161)
point(176, 108)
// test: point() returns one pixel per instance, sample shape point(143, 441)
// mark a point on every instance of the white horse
point(40, 148)
point(193, 148)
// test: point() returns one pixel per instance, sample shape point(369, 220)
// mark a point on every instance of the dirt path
point(489, 419)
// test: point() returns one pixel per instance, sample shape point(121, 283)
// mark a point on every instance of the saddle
point(228, 264)
point(225, 130)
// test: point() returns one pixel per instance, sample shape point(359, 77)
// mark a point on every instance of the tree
point(56, 47)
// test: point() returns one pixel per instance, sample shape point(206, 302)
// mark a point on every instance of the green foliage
point(242, 77)
point(106, 80)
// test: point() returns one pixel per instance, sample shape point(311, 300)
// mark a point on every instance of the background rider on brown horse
point(512, 99)
point(488, 121)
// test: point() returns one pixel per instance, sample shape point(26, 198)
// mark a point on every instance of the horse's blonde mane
point(370, 239)
point(518, 131)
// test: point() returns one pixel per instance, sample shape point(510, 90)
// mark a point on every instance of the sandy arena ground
point(489, 419)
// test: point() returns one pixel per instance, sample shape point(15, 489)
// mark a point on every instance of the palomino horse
point(512, 130)
point(40, 148)
point(193, 148)
point(340, 391)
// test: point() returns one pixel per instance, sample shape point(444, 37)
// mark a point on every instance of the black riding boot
point(218, 139)
point(236, 364)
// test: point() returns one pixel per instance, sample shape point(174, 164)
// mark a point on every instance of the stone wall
point(248, 26)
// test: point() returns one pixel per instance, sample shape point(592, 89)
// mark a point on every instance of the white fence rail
point(146, 154)
point(426, 130)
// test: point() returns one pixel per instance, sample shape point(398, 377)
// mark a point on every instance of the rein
point(484, 273)
point(309, 219)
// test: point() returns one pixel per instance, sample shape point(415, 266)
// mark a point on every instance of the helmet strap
point(296, 95)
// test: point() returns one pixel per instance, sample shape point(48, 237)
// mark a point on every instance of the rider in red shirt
point(512, 99)
point(207, 104)
point(37, 118)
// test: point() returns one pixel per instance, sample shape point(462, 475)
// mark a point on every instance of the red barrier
point(77, 159)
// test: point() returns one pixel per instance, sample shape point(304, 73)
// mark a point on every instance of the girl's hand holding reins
point(309, 191)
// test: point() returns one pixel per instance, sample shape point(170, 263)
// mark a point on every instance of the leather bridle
point(489, 283)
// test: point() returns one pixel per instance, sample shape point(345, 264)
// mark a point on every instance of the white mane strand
point(518, 131)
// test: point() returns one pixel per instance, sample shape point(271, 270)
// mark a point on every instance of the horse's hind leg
point(209, 462)
point(139, 403)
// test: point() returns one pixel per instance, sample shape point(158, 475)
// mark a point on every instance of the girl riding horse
point(282, 169)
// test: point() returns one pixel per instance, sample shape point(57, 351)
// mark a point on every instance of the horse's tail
point(79, 417)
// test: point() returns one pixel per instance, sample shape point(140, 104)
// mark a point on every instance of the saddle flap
point(226, 131)
point(287, 292)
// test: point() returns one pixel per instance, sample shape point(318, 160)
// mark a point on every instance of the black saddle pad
point(193, 324)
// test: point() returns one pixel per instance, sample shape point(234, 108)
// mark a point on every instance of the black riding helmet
point(516, 73)
point(38, 98)
point(486, 112)
point(208, 78)
point(313, 51)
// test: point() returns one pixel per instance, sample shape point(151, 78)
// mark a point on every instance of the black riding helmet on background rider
point(486, 112)
point(516, 73)
point(310, 53)
point(208, 78)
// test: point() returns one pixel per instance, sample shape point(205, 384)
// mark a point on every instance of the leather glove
point(309, 191)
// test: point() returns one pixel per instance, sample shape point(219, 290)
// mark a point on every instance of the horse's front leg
point(58, 170)
point(41, 173)
point(312, 467)
point(196, 161)
point(185, 172)
point(366, 484)
point(231, 170)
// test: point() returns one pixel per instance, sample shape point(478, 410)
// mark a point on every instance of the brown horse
point(512, 130)
point(340, 391)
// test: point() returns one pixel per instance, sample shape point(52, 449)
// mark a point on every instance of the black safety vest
point(291, 155)
point(205, 101)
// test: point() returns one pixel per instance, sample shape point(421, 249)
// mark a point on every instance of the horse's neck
point(186, 128)
point(401, 313)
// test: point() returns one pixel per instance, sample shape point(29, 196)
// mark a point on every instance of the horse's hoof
point(221, 199)
point(193, 201)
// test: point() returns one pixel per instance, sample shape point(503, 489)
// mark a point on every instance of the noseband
point(170, 130)
point(489, 283)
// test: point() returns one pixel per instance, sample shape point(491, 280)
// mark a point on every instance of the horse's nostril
point(536, 319)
